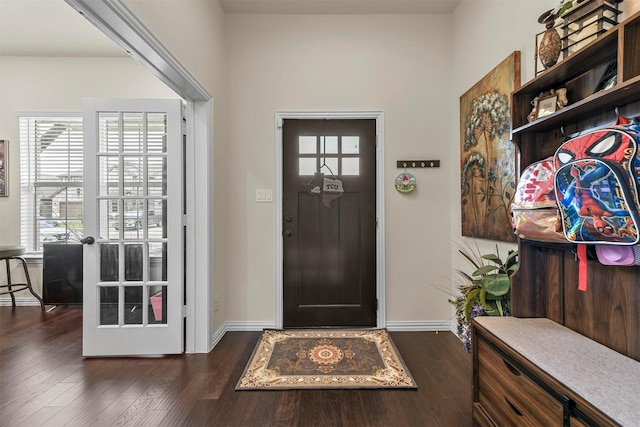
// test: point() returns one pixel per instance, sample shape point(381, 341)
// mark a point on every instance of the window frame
point(30, 208)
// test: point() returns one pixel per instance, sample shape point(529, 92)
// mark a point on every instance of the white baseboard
point(20, 301)
point(249, 326)
point(425, 325)
point(239, 326)
point(428, 325)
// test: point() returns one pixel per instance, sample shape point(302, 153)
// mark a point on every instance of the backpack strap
point(582, 267)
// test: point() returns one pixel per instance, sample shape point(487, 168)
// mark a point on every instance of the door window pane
point(155, 219)
point(109, 263)
point(133, 305)
point(108, 218)
point(133, 262)
point(307, 166)
point(329, 144)
point(332, 164)
point(158, 262)
point(307, 145)
point(156, 176)
point(156, 133)
point(133, 132)
point(350, 145)
point(109, 173)
point(133, 219)
point(350, 166)
point(108, 304)
point(158, 305)
point(133, 176)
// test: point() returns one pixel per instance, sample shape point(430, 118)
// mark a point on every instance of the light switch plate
point(264, 195)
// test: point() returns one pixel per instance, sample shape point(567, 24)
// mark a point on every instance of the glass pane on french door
point(132, 162)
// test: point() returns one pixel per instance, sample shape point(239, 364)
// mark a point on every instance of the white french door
point(134, 244)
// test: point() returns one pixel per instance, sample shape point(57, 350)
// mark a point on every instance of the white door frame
point(280, 116)
point(114, 19)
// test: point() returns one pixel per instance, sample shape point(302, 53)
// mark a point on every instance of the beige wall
point(399, 64)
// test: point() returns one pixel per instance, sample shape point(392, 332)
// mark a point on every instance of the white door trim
point(280, 116)
point(116, 21)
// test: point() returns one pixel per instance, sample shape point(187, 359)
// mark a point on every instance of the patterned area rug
point(313, 359)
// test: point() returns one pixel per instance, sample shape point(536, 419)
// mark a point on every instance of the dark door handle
point(89, 240)
point(288, 233)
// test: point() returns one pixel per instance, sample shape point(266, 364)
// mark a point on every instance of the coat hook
point(617, 111)
point(562, 131)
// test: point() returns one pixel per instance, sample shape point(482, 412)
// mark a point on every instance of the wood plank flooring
point(45, 381)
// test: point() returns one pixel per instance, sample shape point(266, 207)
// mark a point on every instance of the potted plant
point(485, 291)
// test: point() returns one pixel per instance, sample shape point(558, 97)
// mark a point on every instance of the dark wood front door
point(329, 239)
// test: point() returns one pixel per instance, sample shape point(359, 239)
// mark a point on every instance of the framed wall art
point(487, 155)
point(4, 173)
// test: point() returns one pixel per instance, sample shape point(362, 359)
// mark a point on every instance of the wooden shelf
point(545, 286)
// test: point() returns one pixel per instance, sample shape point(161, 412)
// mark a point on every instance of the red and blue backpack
point(596, 186)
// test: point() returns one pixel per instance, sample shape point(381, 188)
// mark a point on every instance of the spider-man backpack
point(596, 188)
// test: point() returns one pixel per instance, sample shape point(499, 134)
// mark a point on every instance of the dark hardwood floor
point(44, 381)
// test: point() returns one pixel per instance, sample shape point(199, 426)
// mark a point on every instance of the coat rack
point(403, 164)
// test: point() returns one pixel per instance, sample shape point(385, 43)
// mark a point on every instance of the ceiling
point(53, 28)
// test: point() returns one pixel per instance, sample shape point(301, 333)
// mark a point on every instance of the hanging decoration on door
point(331, 190)
point(328, 188)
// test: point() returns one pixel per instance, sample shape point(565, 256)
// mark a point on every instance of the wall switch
point(264, 195)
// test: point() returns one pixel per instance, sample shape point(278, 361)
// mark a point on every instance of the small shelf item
point(548, 103)
point(405, 182)
point(586, 21)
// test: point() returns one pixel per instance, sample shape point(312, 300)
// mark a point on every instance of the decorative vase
point(550, 46)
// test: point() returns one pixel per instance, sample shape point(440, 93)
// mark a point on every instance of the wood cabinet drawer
point(511, 397)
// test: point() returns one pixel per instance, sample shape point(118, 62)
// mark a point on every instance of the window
point(335, 155)
point(51, 176)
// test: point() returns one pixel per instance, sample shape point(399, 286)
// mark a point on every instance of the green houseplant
point(484, 292)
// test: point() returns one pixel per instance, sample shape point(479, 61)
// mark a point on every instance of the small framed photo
point(548, 102)
point(547, 106)
point(4, 173)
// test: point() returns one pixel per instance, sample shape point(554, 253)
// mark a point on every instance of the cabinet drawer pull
point(510, 367)
point(513, 407)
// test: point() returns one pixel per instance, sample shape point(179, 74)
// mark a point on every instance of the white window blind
point(51, 176)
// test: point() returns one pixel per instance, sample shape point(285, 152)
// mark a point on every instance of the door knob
point(288, 233)
point(89, 240)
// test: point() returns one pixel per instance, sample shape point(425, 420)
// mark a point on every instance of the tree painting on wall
point(487, 155)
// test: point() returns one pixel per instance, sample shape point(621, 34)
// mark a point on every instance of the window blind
point(51, 172)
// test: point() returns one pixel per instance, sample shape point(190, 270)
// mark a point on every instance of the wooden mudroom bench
point(538, 372)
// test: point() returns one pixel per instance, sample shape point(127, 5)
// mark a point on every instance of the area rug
point(325, 359)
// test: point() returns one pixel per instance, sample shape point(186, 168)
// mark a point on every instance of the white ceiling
point(53, 28)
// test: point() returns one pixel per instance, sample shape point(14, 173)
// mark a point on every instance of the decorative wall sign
point(405, 182)
point(487, 156)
